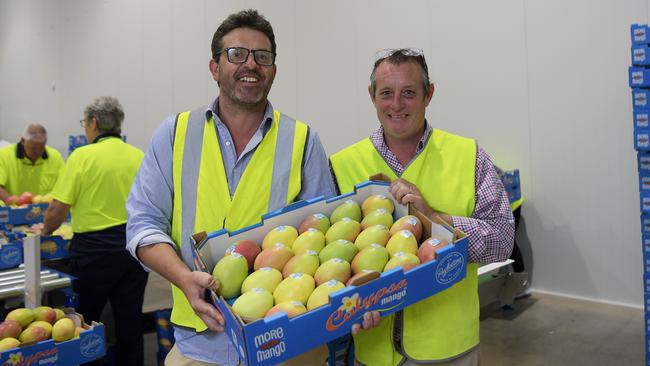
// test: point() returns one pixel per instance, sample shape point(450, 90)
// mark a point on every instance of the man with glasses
point(220, 166)
point(442, 175)
point(29, 165)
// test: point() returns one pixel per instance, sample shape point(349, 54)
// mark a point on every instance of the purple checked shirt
point(491, 228)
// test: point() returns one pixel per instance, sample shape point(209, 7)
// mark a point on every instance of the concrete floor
point(551, 330)
point(544, 330)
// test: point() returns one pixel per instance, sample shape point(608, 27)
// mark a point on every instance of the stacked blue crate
point(639, 80)
point(75, 141)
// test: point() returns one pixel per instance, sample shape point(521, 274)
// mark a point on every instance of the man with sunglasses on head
point(220, 166)
point(443, 175)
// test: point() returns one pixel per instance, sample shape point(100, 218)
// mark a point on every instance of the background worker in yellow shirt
point(94, 185)
point(29, 165)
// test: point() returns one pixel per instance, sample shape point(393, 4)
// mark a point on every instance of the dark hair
point(399, 57)
point(244, 19)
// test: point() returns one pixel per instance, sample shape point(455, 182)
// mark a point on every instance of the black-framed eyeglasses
point(239, 55)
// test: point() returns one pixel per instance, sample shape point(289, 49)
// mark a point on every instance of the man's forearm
point(163, 259)
point(54, 216)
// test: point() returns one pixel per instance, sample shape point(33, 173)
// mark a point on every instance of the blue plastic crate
point(75, 141)
point(644, 182)
point(510, 178)
point(90, 346)
point(645, 224)
point(645, 242)
point(31, 214)
point(641, 118)
point(645, 203)
point(639, 77)
point(643, 161)
point(640, 55)
point(640, 98)
point(642, 139)
point(54, 247)
point(514, 193)
point(164, 330)
point(11, 254)
point(639, 34)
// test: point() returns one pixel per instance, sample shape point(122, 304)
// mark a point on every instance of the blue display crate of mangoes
point(11, 254)
point(274, 338)
point(90, 346)
point(30, 214)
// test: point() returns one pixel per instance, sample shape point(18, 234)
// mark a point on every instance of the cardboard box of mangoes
point(11, 248)
point(47, 336)
point(28, 214)
point(306, 273)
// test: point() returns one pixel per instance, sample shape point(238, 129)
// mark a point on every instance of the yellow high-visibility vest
point(445, 325)
point(202, 199)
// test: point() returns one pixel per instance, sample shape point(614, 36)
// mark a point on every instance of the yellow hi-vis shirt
point(19, 174)
point(95, 182)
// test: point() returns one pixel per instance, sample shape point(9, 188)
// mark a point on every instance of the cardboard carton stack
point(639, 80)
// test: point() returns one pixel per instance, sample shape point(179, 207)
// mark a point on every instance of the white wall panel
point(542, 85)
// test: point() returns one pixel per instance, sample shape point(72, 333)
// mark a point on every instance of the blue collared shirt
point(149, 207)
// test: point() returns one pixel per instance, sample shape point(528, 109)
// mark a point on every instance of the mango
point(349, 209)
point(63, 330)
point(306, 263)
point(333, 269)
point(47, 198)
point(230, 271)
point(311, 239)
point(321, 295)
point(402, 259)
point(10, 329)
point(377, 234)
point(402, 241)
point(77, 332)
point(248, 248)
point(345, 228)
point(21, 315)
point(45, 313)
point(377, 217)
point(253, 304)
point(275, 257)
point(59, 314)
point(296, 287)
point(367, 276)
point(410, 223)
point(428, 250)
point(284, 234)
point(291, 308)
point(372, 258)
point(341, 248)
point(316, 221)
point(375, 202)
point(43, 324)
point(33, 334)
point(266, 277)
point(9, 343)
